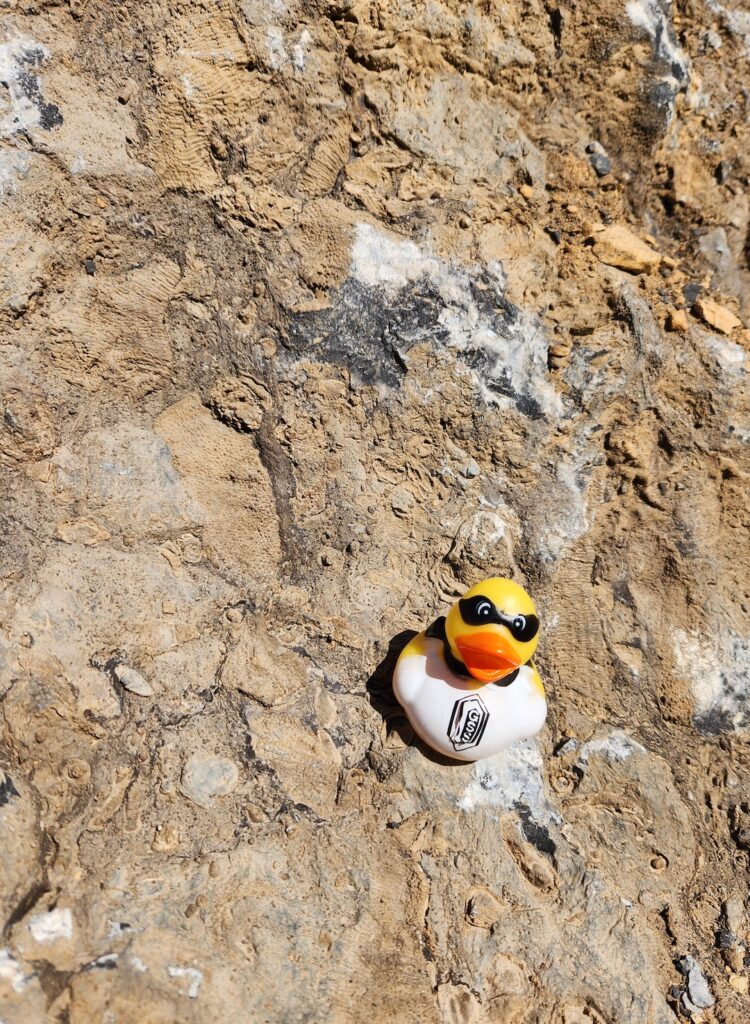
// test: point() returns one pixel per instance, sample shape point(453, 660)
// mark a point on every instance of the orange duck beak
point(488, 656)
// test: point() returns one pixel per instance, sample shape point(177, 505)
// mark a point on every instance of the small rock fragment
point(601, 164)
point(204, 778)
point(723, 172)
point(40, 471)
point(557, 354)
point(526, 191)
point(166, 839)
point(734, 958)
point(739, 983)
point(725, 939)
point(569, 745)
point(618, 247)
point(133, 681)
point(219, 147)
point(81, 531)
point(677, 320)
point(743, 839)
point(734, 915)
point(172, 554)
point(599, 159)
point(716, 316)
point(698, 995)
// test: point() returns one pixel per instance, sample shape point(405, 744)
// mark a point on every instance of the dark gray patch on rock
point(538, 835)
point(7, 789)
point(601, 164)
point(370, 331)
point(30, 86)
point(670, 71)
point(714, 722)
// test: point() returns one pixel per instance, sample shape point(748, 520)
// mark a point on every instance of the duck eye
point(524, 627)
point(476, 611)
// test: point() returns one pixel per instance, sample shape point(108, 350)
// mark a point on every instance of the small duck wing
point(414, 648)
point(536, 679)
point(409, 674)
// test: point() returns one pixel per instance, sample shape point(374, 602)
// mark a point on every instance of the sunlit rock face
point(312, 319)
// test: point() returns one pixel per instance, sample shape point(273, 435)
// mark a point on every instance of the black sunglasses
point(479, 611)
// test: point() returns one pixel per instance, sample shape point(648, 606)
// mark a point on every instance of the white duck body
point(458, 716)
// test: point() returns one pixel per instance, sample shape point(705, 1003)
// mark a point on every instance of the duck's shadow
point(382, 698)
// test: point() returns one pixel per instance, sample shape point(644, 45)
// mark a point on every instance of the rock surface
point(313, 315)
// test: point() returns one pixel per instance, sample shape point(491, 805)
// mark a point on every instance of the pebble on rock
point(81, 531)
point(133, 681)
point(734, 915)
point(204, 778)
point(716, 316)
point(698, 995)
point(677, 320)
point(601, 164)
point(740, 983)
point(599, 159)
point(618, 247)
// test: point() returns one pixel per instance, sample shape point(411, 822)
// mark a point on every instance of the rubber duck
point(467, 683)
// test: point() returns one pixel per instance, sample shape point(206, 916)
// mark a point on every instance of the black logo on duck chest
point(468, 721)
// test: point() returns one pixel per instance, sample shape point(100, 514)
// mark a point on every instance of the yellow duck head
point(493, 629)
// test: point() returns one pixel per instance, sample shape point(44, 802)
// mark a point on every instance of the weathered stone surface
point(260, 667)
point(312, 316)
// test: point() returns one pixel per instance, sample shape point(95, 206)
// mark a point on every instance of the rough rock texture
point(313, 315)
